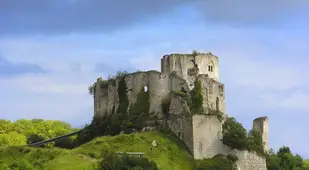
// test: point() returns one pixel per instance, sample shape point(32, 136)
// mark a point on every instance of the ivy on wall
point(139, 111)
point(196, 98)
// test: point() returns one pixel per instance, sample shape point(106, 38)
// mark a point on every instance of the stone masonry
point(202, 133)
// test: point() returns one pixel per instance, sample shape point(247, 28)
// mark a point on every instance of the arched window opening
point(145, 89)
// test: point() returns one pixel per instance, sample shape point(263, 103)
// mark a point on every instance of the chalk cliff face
point(168, 92)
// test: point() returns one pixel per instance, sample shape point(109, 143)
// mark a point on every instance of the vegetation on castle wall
point(194, 53)
point(236, 137)
point(234, 134)
point(124, 120)
point(218, 162)
point(194, 99)
point(121, 73)
point(216, 113)
point(197, 98)
point(112, 124)
point(139, 112)
point(123, 98)
point(91, 88)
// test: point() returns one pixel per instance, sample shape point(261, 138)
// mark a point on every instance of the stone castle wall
point(207, 142)
point(213, 94)
point(189, 66)
point(180, 121)
point(249, 161)
point(207, 136)
point(159, 85)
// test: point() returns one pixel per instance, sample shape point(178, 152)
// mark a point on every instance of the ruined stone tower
point(202, 66)
point(261, 125)
point(188, 66)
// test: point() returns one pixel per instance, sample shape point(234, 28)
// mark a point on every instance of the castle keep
point(198, 123)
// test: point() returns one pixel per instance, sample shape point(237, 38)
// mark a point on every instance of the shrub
point(234, 134)
point(218, 162)
point(34, 138)
point(196, 97)
point(232, 157)
point(284, 159)
point(236, 137)
point(255, 142)
point(113, 161)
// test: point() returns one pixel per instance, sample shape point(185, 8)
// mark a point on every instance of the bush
point(113, 161)
point(255, 142)
point(34, 138)
point(232, 157)
point(284, 160)
point(218, 162)
point(236, 137)
point(234, 134)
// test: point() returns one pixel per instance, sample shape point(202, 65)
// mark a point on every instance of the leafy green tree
point(5, 126)
point(12, 138)
point(234, 134)
point(255, 142)
point(284, 160)
point(35, 130)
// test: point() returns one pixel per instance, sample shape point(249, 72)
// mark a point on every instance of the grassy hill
point(169, 153)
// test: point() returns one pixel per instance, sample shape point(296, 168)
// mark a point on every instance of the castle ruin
point(201, 128)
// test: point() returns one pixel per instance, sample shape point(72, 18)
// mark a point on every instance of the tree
point(284, 160)
point(12, 138)
point(234, 134)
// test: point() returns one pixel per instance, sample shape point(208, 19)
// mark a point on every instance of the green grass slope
point(169, 154)
point(306, 163)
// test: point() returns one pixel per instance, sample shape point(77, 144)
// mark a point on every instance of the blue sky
point(52, 50)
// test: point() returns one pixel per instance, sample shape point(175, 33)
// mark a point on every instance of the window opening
point(145, 88)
